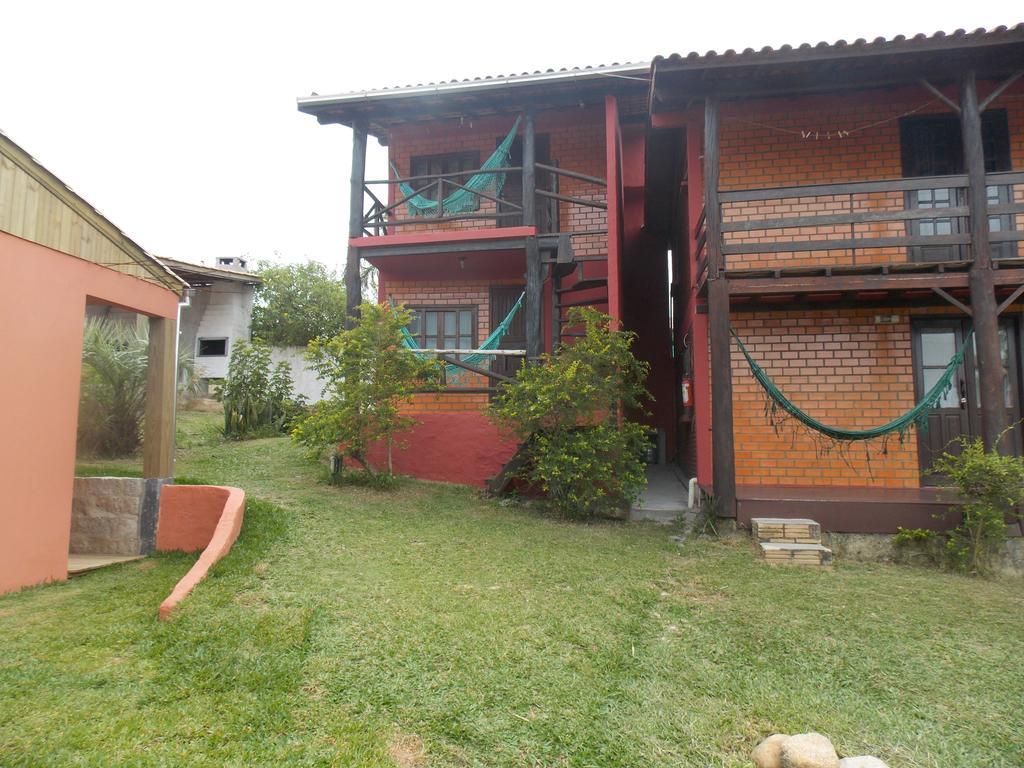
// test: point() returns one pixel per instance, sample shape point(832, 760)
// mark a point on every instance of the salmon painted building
point(851, 212)
point(59, 258)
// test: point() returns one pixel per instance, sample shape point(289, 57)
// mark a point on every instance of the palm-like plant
point(112, 405)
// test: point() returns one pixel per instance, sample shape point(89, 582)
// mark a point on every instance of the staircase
point(783, 541)
point(578, 293)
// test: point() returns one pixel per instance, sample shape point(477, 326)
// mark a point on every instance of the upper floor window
point(932, 146)
point(450, 163)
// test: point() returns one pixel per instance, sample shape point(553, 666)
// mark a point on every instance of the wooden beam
point(1010, 299)
point(982, 282)
point(722, 450)
point(532, 317)
point(999, 90)
point(940, 95)
point(952, 300)
point(534, 277)
point(161, 379)
point(353, 279)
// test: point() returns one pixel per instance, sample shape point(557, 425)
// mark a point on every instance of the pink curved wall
point(456, 447)
point(42, 312)
point(207, 517)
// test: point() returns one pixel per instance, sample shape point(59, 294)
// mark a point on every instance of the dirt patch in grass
point(406, 749)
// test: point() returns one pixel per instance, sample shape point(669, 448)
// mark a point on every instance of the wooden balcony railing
point(382, 218)
point(860, 224)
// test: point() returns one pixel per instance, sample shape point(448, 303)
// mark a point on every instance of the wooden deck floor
point(79, 564)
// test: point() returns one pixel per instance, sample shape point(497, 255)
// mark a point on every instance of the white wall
point(223, 310)
point(306, 381)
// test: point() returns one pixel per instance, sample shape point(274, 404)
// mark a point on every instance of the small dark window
point(444, 327)
point(213, 347)
point(462, 163)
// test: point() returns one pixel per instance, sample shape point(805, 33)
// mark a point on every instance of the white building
point(219, 312)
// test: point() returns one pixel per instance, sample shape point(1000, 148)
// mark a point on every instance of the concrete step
point(795, 554)
point(781, 530)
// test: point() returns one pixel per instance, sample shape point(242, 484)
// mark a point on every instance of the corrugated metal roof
point(83, 207)
point(861, 45)
point(488, 82)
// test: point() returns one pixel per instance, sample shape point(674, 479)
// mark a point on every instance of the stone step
point(782, 530)
point(795, 554)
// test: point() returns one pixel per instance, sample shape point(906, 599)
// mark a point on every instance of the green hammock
point(464, 199)
point(916, 415)
point(453, 372)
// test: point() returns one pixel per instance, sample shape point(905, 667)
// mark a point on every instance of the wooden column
point(983, 298)
point(722, 453)
point(534, 335)
point(161, 379)
point(353, 284)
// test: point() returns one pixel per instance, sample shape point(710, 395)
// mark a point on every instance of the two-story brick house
point(850, 211)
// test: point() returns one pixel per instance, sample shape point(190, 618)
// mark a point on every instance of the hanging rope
point(453, 372)
point(915, 416)
point(834, 133)
point(464, 199)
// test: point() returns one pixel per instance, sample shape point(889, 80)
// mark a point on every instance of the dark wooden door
point(959, 411)
point(503, 298)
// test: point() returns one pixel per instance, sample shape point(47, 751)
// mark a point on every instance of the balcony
point(396, 211)
point(887, 241)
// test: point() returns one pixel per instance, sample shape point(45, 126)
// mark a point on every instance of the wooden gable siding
point(36, 206)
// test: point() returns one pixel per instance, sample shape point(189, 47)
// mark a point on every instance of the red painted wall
point(42, 314)
point(456, 447)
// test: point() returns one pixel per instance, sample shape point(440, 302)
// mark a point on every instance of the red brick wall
point(577, 143)
point(762, 146)
point(461, 293)
point(844, 370)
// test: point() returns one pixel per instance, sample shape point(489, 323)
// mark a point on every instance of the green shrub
point(579, 450)
point(992, 488)
point(112, 403)
point(258, 401)
point(368, 373)
point(918, 544)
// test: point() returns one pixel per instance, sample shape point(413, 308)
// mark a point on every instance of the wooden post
point(534, 335)
point(161, 380)
point(353, 283)
point(983, 298)
point(722, 454)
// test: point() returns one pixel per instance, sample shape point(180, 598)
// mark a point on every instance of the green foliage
point(369, 373)
point(258, 400)
point(992, 488)
point(297, 303)
point(112, 403)
point(916, 544)
point(586, 458)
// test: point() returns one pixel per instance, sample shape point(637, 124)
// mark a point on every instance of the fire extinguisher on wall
point(686, 386)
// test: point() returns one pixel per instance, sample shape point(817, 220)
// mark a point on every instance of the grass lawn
point(428, 626)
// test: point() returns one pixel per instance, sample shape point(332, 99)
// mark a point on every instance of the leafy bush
point(916, 544)
point(579, 451)
point(297, 303)
point(258, 401)
point(112, 405)
point(992, 488)
point(369, 374)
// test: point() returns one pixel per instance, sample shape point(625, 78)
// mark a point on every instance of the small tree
point(297, 303)
point(369, 374)
point(992, 488)
point(579, 449)
point(257, 400)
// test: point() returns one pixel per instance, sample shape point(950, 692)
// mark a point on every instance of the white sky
point(178, 120)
